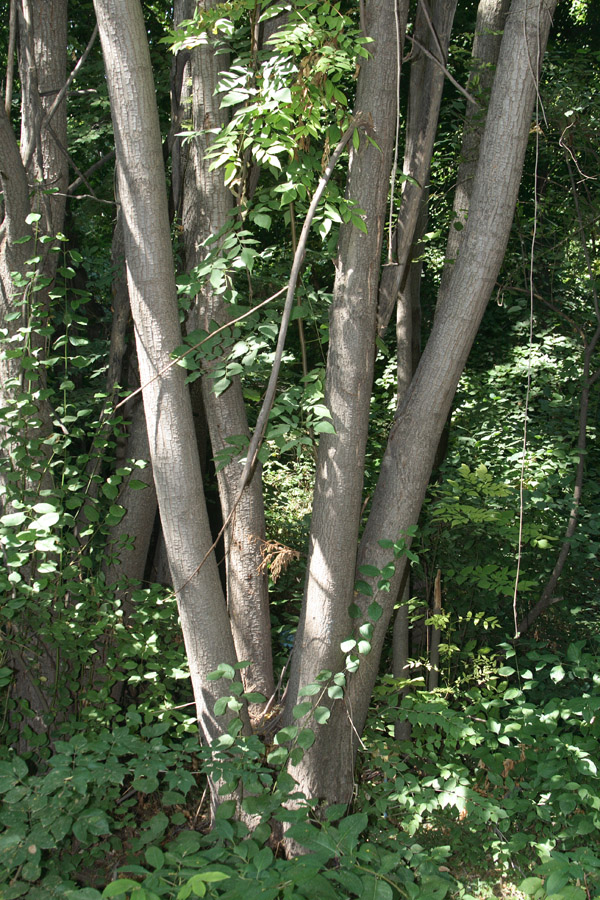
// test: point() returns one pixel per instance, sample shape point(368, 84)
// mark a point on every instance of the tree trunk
point(129, 540)
point(432, 31)
point(42, 45)
point(207, 207)
point(153, 297)
point(491, 16)
point(326, 770)
point(418, 423)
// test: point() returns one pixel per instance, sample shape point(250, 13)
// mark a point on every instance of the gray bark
point(43, 59)
point(326, 770)
point(425, 96)
point(491, 16)
point(207, 205)
point(42, 45)
point(153, 297)
point(418, 423)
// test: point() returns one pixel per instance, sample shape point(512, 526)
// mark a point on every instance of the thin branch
point(397, 137)
point(573, 324)
point(60, 97)
point(108, 157)
point(547, 597)
point(10, 62)
point(178, 359)
point(444, 69)
point(261, 424)
point(70, 159)
point(432, 28)
point(85, 197)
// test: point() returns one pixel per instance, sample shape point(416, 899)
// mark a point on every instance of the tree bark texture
point(153, 297)
point(419, 421)
point(207, 208)
point(432, 31)
point(42, 55)
point(43, 61)
point(491, 16)
point(326, 770)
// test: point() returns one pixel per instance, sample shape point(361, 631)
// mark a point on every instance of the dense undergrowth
point(499, 780)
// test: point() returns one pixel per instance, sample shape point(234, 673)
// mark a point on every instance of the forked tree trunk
point(327, 768)
point(153, 298)
point(419, 422)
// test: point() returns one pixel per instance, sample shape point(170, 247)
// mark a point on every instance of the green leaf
point(154, 857)
point(221, 705)
point(306, 738)
point(286, 734)
point(369, 571)
point(347, 646)
point(225, 810)
point(223, 670)
point(301, 709)
point(322, 714)
point(263, 859)
point(363, 588)
point(506, 671)
point(120, 886)
point(254, 697)
point(277, 757)
point(91, 513)
point(377, 889)
point(375, 611)
point(213, 876)
point(262, 220)
point(197, 885)
point(12, 520)
point(309, 690)
point(531, 886)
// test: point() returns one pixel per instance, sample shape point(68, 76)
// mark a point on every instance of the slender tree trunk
point(491, 16)
point(432, 31)
point(427, 80)
point(418, 424)
point(129, 540)
point(207, 207)
point(26, 173)
point(326, 770)
point(43, 59)
point(433, 678)
point(153, 297)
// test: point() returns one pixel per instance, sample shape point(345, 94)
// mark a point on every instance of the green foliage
point(83, 807)
point(504, 765)
point(501, 767)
